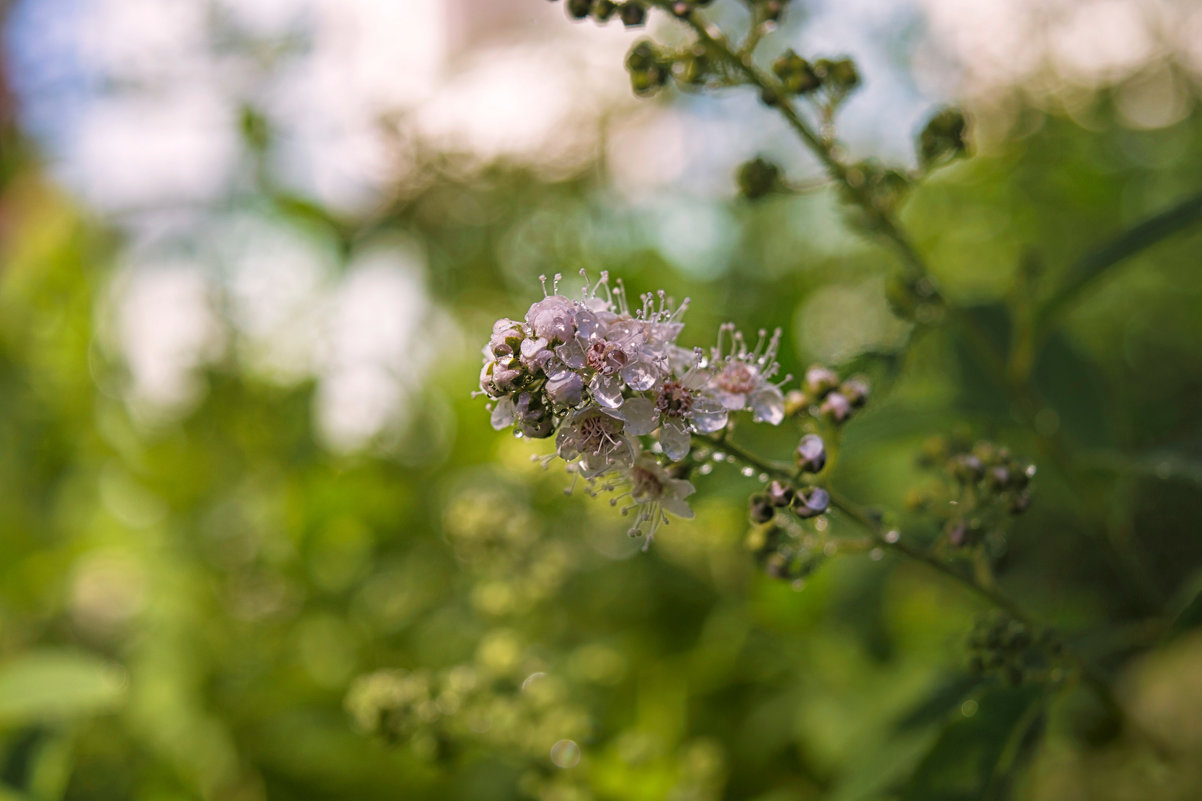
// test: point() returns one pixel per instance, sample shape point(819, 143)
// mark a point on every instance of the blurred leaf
point(974, 754)
point(53, 683)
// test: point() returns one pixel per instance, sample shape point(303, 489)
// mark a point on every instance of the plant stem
point(716, 41)
point(872, 523)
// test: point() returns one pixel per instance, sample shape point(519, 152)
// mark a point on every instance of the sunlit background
point(249, 250)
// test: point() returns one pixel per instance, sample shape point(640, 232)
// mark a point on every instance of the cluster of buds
point(786, 554)
point(833, 79)
point(823, 394)
point(781, 547)
point(986, 483)
point(632, 13)
point(1007, 648)
point(622, 399)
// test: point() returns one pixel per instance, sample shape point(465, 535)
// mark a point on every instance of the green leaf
point(58, 683)
point(974, 757)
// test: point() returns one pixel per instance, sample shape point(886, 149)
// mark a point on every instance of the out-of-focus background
point(249, 250)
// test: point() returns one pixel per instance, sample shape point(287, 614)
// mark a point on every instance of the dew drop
point(875, 554)
point(747, 472)
point(820, 523)
point(517, 434)
point(831, 548)
point(565, 754)
point(892, 536)
point(763, 477)
point(1030, 471)
point(705, 469)
point(719, 456)
point(968, 708)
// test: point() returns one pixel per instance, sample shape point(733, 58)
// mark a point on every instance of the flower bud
point(943, 137)
point(506, 379)
point(811, 502)
point(796, 73)
point(774, 9)
point(796, 402)
point(579, 9)
point(1020, 502)
point(855, 390)
point(633, 14)
point(604, 9)
point(997, 477)
point(836, 407)
point(841, 74)
point(967, 468)
point(810, 454)
point(761, 509)
point(757, 178)
point(780, 494)
point(819, 380)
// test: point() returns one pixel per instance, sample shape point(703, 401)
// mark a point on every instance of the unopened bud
point(579, 9)
point(836, 407)
point(811, 502)
point(780, 494)
point(810, 454)
point(855, 390)
point(819, 380)
point(761, 508)
point(968, 468)
point(604, 9)
point(1020, 503)
point(757, 178)
point(633, 15)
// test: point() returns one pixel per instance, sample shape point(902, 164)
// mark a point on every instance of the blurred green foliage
point(217, 607)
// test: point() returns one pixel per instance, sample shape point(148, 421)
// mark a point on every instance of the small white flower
point(598, 439)
point(741, 378)
point(653, 492)
point(680, 407)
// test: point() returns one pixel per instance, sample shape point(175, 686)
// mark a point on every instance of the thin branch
point(1097, 263)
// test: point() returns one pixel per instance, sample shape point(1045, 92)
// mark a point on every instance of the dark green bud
point(796, 73)
point(943, 137)
point(633, 15)
point(579, 9)
point(842, 74)
point(757, 178)
point(603, 10)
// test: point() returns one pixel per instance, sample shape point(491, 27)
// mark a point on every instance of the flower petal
point(768, 405)
point(640, 415)
point(675, 440)
point(707, 415)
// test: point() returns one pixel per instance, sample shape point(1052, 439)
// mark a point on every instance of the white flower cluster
point(601, 377)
